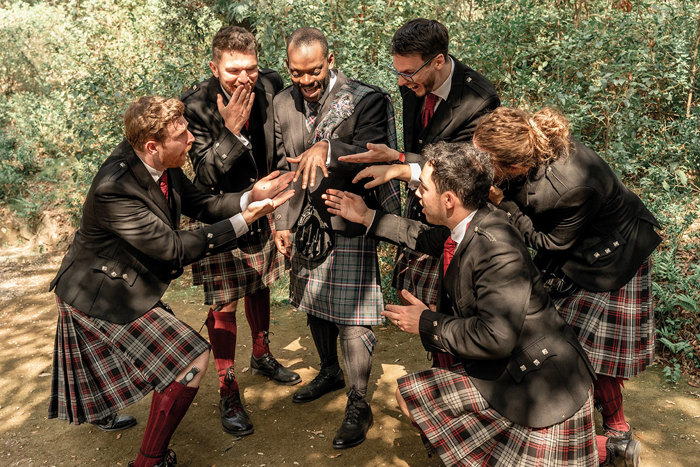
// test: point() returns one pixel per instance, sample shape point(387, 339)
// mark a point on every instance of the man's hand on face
point(309, 161)
point(270, 186)
point(237, 111)
point(348, 206)
point(375, 153)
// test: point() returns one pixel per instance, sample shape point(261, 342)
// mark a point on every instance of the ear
point(331, 61)
point(439, 61)
point(151, 147)
point(214, 69)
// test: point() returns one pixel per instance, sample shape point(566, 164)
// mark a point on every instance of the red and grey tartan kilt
point(615, 328)
point(232, 275)
point(460, 425)
point(101, 367)
point(418, 273)
point(344, 288)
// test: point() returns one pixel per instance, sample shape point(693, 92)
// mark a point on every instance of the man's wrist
point(368, 217)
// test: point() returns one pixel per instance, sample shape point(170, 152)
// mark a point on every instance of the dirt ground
point(666, 418)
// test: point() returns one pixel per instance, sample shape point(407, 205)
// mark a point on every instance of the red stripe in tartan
point(461, 426)
point(615, 328)
point(101, 367)
point(417, 273)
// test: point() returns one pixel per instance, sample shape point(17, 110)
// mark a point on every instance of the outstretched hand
point(348, 206)
point(383, 173)
point(270, 186)
point(406, 317)
point(309, 161)
point(375, 154)
point(258, 209)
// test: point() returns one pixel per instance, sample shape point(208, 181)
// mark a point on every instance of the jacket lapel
point(265, 107)
point(445, 111)
point(409, 118)
point(149, 185)
point(297, 123)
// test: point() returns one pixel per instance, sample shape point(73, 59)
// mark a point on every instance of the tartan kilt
point(460, 425)
point(615, 328)
point(418, 273)
point(101, 367)
point(344, 287)
point(231, 275)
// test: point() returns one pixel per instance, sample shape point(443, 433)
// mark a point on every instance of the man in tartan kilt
point(231, 117)
point(593, 238)
point(115, 340)
point(442, 101)
point(335, 274)
point(519, 393)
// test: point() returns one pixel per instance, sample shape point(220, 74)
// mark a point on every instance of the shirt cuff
point(328, 157)
point(415, 176)
point(374, 215)
point(244, 141)
point(245, 200)
point(239, 225)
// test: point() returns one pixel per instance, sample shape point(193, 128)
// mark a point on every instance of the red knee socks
point(606, 391)
point(602, 452)
point(222, 335)
point(167, 409)
point(257, 310)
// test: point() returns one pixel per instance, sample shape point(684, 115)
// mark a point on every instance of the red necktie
point(163, 184)
point(448, 253)
point(428, 109)
point(247, 125)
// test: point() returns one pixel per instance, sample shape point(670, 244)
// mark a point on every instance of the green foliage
point(68, 70)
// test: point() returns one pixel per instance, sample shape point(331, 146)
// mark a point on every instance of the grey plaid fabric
point(459, 424)
point(615, 328)
point(232, 275)
point(344, 287)
point(101, 367)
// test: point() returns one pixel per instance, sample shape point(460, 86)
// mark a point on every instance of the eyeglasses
point(406, 76)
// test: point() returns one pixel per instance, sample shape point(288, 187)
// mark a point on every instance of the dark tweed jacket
point(128, 247)
point(495, 316)
point(577, 213)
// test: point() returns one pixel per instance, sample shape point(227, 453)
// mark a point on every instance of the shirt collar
point(444, 90)
point(460, 229)
point(152, 172)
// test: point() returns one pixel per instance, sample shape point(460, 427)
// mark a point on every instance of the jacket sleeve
point(567, 220)
point(493, 310)
point(132, 220)
point(211, 156)
point(409, 233)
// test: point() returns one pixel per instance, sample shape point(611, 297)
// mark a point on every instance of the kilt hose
point(464, 430)
point(615, 328)
point(343, 288)
point(416, 272)
point(101, 367)
point(231, 275)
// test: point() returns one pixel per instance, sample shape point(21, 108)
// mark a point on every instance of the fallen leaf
point(670, 402)
point(334, 456)
point(119, 436)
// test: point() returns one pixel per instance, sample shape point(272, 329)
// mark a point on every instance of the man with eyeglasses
point(231, 117)
point(442, 101)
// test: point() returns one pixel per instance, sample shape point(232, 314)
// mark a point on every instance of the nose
point(190, 138)
point(307, 79)
point(243, 77)
point(403, 81)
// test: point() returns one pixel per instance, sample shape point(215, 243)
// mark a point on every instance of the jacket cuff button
point(210, 235)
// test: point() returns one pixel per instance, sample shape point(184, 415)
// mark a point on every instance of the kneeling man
point(520, 392)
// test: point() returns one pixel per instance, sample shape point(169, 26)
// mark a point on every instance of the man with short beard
point(231, 117)
point(334, 276)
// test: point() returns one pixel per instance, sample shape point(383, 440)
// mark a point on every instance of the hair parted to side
point(308, 36)
point(514, 136)
point(233, 39)
point(462, 169)
point(148, 118)
point(425, 37)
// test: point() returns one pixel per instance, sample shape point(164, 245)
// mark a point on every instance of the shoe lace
point(233, 404)
point(352, 413)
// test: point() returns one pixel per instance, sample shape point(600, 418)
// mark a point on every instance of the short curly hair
point(148, 118)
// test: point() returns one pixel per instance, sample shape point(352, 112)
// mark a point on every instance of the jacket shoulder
point(198, 90)
point(475, 81)
point(271, 80)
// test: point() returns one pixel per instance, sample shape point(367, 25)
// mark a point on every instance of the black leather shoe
point(234, 418)
point(613, 433)
point(358, 419)
point(115, 422)
point(622, 452)
point(268, 366)
point(323, 383)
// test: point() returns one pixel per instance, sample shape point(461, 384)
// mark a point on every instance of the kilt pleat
point(459, 424)
point(101, 367)
point(615, 328)
point(231, 275)
point(344, 288)
point(418, 273)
